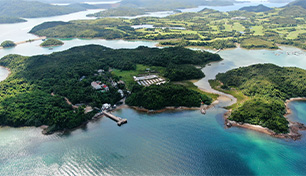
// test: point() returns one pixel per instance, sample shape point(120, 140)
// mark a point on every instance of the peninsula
point(58, 89)
point(261, 91)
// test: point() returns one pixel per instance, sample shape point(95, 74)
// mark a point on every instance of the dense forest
point(267, 86)
point(7, 44)
point(34, 93)
point(51, 42)
point(207, 28)
point(157, 97)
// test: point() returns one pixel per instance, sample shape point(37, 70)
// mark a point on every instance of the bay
point(173, 142)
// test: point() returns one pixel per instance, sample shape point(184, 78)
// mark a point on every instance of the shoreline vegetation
point(262, 110)
point(294, 127)
point(23, 42)
point(33, 80)
point(51, 43)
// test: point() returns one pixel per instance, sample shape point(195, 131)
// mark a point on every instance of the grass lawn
point(258, 30)
point(127, 76)
point(238, 27)
point(241, 98)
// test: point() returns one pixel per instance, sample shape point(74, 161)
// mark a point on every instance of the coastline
point(9, 72)
point(169, 108)
point(27, 41)
point(50, 46)
point(294, 127)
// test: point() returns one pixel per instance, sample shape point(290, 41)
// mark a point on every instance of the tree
point(7, 44)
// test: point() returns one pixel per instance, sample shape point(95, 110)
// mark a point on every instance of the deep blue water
point(169, 143)
point(179, 142)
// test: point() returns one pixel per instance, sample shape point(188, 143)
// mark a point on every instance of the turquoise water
point(298, 109)
point(176, 142)
point(184, 142)
point(181, 142)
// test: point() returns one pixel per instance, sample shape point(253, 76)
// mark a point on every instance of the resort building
point(96, 86)
point(149, 80)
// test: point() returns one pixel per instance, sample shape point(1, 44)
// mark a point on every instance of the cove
point(173, 142)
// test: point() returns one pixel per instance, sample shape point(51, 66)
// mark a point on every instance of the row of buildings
point(149, 80)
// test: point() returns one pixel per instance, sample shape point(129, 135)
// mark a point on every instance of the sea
point(181, 142)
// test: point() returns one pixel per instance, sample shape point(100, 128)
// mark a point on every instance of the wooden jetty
point(217, 51)
point(119, 120)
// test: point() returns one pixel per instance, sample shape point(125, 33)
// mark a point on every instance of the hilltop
point(259, 8)
point(301, 3)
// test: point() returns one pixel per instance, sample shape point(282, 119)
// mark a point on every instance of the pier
point(217, 51)
point(119, 120)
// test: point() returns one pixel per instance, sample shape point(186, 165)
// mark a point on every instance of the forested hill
point(33, 9)
point(301, 3)
point(33, 95)
point(259, 8)
point(267, 86)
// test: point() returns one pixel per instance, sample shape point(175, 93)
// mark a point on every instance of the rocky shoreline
point(294, 127)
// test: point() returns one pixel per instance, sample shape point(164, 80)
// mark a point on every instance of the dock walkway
point(119, 120)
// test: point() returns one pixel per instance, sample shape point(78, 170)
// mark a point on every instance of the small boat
point(203, 111)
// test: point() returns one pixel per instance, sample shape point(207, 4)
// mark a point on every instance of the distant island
point(261, 91)
point(259, 8)
point(119, 12)
point(12, 11)
point(140, 7)
point(207, 28)
point(51, 42)
point(55, 89)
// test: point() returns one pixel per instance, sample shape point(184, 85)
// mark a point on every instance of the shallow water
point(176, 142)
point(168, 143)
point(3, 73)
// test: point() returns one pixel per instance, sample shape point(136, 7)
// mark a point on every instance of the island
point(8, 44)
point(259, 8)
point(120, 11)
point(64, 90)
point(262, 91)
point(208, 28)
point(141, 7)
point(51, 42)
